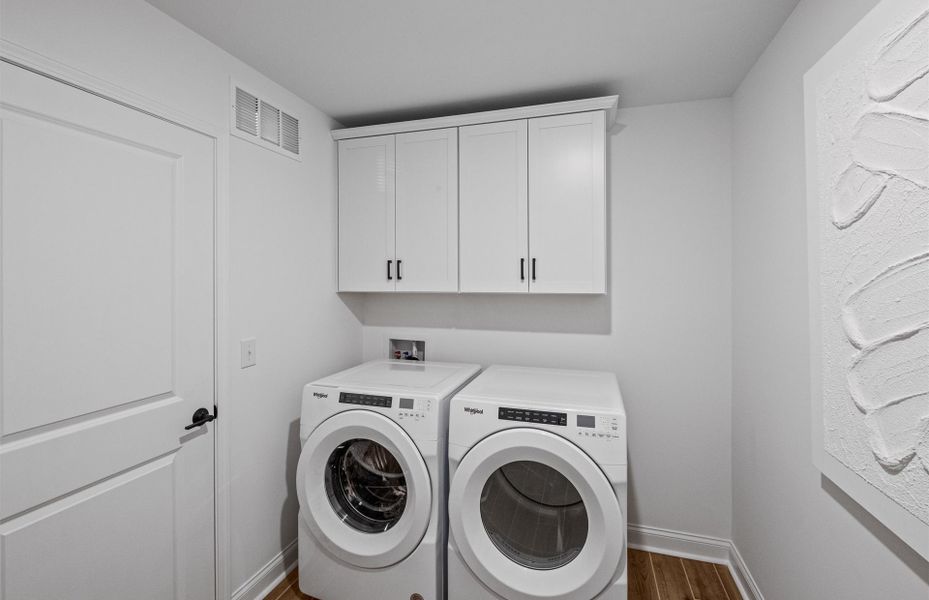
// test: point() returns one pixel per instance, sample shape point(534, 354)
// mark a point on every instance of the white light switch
point(249, 356)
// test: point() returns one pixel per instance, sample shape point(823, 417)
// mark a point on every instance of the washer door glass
point(534, 515)
point(366, 485)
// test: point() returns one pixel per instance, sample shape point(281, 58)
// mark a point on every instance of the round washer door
point(534, 517)
point(364, 489)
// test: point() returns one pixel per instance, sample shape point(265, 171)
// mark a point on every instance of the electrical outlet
point(248, 351)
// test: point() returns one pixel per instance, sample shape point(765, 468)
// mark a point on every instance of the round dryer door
point(364, 489)
point(534, 517)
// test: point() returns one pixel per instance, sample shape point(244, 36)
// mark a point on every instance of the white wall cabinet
point(494, 207)
point(533, 205)
point(427, 211)
point(398, 212)
point(510, 201)
point(567, 204)
point(366, 214)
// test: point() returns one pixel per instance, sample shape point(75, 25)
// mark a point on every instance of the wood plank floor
point(288, 590)
point(651, 577)
point(660, 577)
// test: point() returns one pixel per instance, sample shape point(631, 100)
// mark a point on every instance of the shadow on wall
point(901, 550)
point(632, 498)
point(291, 504)
point(355, 303)
point(537, 96)
point(498, 312)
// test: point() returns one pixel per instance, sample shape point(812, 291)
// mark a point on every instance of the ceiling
point(374, 61)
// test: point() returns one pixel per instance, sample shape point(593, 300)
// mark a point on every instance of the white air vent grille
point(265, 124)
point(270, 123)
point(290, 133)
point(246, 112)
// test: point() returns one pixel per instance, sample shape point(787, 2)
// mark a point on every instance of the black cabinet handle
point(533, 269)
point(389, 262)
point(201, 417)
point(522, 269)
point(399, 275)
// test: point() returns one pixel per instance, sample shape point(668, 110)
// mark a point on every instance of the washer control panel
point(413, 408)
point(597, 426)
point(365, 400)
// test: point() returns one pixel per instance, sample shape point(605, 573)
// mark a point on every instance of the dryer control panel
point(526, 415)
point(601, 434)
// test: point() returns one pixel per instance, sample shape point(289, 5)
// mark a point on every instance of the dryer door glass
point(534, 515)
point(366, 485)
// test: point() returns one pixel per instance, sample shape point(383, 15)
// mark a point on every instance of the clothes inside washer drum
point(534, 515)
point(366, 485)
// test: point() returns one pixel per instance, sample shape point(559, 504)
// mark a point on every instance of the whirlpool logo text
point(473, 411)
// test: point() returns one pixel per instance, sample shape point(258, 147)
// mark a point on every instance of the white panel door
point(366, 215)
point(427, 211)
point(107, 348)
point(493, 165)
point(567, 204)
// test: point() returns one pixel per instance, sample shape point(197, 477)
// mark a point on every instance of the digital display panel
point(533, 416)
point(586, 421)
point(406, 403)
point(365, 400)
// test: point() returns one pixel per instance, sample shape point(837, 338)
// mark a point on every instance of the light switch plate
point(248, 351)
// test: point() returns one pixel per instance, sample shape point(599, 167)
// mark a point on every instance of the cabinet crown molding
point(605, 103)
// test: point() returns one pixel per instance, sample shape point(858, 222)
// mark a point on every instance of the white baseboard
point(261, 583)
point(679, 543)
point(696, 547)
point(743, 576)
point(641, 537)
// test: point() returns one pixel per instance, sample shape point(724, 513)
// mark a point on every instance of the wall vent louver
point(270, 123)
point(263, 123)
point(290, 133)
point(246, 112)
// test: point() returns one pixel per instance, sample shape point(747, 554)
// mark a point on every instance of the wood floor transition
point(651, 577)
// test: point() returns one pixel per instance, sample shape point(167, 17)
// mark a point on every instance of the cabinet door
point(427, 211)
point(494, 213)
point(366, 214)
point(567, 204)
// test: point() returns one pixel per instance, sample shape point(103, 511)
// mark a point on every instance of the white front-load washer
point(537, 499)
point(371, 480)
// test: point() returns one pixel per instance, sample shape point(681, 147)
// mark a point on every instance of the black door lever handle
point(201, 417)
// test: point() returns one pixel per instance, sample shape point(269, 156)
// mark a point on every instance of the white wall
point(664, 328)
point(801, 537)
point(282, 241)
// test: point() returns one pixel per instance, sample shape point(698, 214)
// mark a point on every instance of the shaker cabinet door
point(567, 204)
point(427, 211)
point(366, 215)
point(494, 207)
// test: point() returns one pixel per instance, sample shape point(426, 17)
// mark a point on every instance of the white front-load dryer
point(371, 480)
point(537, 499)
